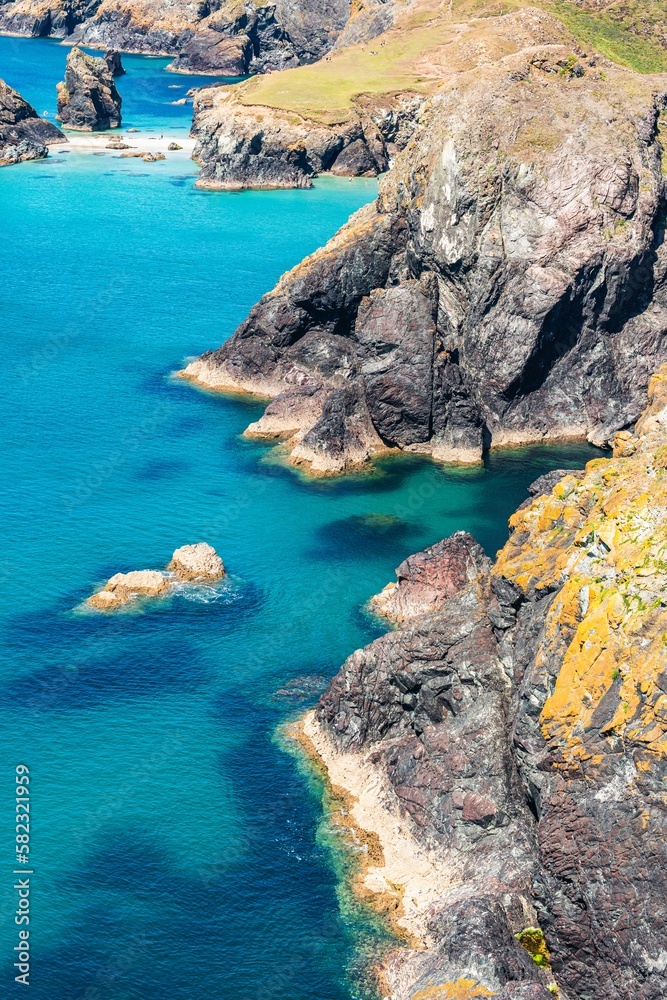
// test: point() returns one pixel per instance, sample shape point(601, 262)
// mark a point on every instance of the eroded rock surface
point(23, 135)
point(508, 286)
point(241, 146)
point(193, 564)
point(426, 580)
point(197, 562)
point(512, 745)
point(87, 99)
point(113, 61)
point(228, 38)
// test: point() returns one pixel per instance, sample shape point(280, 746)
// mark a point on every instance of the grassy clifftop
point(430, 40)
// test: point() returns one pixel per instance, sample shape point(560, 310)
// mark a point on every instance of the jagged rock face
point(427, 579)
point(87, 99)
point(23, 135)
point(228, 38)
point(113, 61)
point(529, 711)
point(236, 42)
point(241, 146)
point(533, 224)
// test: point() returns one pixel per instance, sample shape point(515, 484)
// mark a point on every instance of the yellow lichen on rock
point(462, 989)
point(602, 542)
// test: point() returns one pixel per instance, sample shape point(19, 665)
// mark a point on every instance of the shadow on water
point(136, 670)
point(267, 905)
point(363, 537)
point(162, 468)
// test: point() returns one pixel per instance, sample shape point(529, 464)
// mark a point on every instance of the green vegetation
point(412, 54)
point(533, 940)
point(628, 33)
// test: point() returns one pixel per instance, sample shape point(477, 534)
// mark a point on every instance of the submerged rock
point(23, 135)
point(427, 579)
point(87, 99)
point(197, 562)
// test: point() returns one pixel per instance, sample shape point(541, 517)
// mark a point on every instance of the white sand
point(139, 142)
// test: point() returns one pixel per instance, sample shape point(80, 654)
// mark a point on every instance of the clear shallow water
point(35, 66)
point(179, 851)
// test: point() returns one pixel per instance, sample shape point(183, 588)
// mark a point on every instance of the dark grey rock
point(87, 99)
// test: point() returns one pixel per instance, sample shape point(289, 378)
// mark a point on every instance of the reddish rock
point(427, 579)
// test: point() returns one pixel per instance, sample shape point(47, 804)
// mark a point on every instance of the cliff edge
point(508, 285)
point(506, 752)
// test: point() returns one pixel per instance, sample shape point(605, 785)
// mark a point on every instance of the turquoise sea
point(179, 851)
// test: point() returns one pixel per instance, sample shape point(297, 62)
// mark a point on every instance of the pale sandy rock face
point(197, 562)
point(125, 587)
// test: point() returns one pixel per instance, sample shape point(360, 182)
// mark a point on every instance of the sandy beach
point(139, 142)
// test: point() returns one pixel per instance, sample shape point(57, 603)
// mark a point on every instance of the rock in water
point(87, 99)
point(112, 59)
point(472, 306)
point(125, 587)
point(23, 135)
point(427, 579)
point(197, 562)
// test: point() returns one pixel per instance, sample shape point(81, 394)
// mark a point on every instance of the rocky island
point(23, 134)
point(194, 564)
point(503, 753)
point(87, 98)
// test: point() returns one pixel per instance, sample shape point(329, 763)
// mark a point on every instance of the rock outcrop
point(427, 579)
point(246, 146)
point(87, 99)
point(113, 61)
point(198, 562)
point(508, 286)
point(507, 752)
point(123, 588)
point(192, 564)
point(23, 135)
point(228, 38)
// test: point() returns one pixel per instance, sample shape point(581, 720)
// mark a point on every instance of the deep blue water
point(178, 850)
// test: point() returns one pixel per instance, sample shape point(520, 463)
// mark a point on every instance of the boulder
point(197, 562)
point(190, 564)
point(23, 135)
point(87, 99)
point(125, 587)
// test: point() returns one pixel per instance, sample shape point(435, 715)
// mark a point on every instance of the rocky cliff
point(23, 135)
point(229, 38)
point(87, 99)
point(241, 146)
point(504, 754)
point(509, 284)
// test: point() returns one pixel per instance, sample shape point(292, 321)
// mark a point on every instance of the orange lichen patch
point(601, 544)
point(462, 989)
